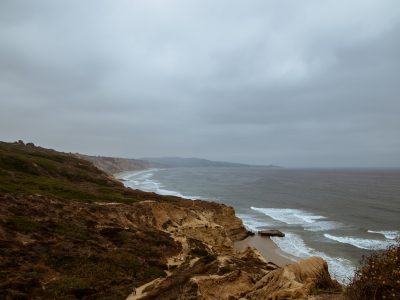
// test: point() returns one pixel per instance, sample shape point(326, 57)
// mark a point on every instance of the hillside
point(113, 165)
point(59, 241)
point(27, 169)
point(177, 162)
point(70, 231)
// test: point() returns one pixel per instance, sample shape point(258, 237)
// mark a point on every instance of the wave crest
point(293, 216)
point(368, 244)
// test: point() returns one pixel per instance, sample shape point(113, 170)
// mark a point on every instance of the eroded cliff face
point(214, 224)
point(207, 267)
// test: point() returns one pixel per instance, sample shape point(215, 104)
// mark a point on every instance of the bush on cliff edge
point(378, 276)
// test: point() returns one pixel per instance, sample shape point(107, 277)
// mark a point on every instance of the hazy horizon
point(293, 84)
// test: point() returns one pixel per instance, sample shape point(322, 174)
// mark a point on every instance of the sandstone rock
point(294, 281)
point(214, 224)
point(250, 233)
point(226, 287)
point(249, 275)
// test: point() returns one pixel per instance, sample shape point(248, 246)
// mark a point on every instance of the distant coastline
point(113, 165)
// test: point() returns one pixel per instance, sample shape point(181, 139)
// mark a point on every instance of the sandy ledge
point(268, 249)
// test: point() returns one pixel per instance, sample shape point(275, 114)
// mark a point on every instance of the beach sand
point(267, 248)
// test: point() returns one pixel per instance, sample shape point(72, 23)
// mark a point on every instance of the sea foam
point(251, 223)
point(341, 269)
point(389, 234)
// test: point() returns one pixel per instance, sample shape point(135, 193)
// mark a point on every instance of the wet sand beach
point(267, 248)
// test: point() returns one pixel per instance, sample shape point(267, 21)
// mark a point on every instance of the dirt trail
point(139, 292)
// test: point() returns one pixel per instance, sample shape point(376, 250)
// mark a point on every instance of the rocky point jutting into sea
point(71, 231)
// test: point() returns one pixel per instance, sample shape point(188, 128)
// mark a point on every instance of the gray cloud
point(305, 83)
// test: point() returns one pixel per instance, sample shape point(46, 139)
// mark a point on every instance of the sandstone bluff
point(70, 231)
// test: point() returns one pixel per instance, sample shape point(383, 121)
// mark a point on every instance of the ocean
point(338, 214)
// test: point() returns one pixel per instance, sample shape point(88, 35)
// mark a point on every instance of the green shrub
point(69, 287)
point(378, 276)
point(72, 231)
point(19, 163)
point(22, 224)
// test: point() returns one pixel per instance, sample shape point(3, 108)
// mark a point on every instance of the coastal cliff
point(207, 266)
point(112, 165)
point(70, 231)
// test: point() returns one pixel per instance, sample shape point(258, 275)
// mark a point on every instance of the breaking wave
point(293, 216)
point(389, 234)
point(368, 244)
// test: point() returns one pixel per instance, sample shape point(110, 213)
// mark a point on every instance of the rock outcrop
point(294, 281)
point(208, 268)
point(271, 232)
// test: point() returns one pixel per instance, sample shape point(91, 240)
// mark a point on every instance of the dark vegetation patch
point(71, 231)
point(199, 249)
point(58, 256)
point(225, 269)
point(22, 224)
point(117, 271)
point(378, 276)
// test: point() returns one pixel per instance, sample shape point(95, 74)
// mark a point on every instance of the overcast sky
point(294, 83)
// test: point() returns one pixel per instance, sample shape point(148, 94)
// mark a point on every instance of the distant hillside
point(178, 162)
point(114, 165)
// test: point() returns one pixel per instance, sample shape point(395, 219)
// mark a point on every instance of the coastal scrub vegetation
point(378, 276)
point(59, 236)
point(27, 169)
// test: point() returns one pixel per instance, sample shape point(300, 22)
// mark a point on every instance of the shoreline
point(267, 248)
